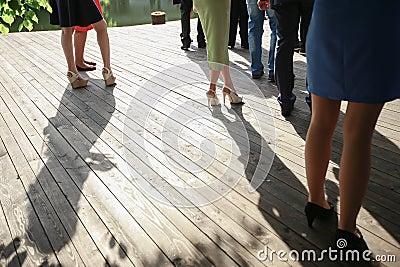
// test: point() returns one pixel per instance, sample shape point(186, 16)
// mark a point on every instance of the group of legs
point(68, 15)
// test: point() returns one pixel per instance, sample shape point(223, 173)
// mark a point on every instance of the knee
point(100, 26)
point(356, 132)
point(67, 31)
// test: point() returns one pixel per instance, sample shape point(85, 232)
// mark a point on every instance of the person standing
point(80, 36)
point(256, 30)
point(186, 14)
point(339, 69)
point(215, 16)
point(70, 13)
point(288, 14)
point(239, 16)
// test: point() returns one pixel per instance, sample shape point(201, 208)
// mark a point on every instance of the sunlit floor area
point(145, 173)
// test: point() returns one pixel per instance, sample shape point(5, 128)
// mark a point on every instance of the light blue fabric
point(256, 30)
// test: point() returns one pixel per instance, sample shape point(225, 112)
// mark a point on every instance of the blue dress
point(353, 50)
point(68, 13)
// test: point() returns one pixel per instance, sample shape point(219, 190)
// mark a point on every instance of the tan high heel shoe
point(212, 97)
point(76, 80)
point(233, 97)
point(108, 76)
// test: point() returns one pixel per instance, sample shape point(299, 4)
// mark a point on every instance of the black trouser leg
point(306, 10)
point(201, 39)
point(244, 24)
point(234, 22)
point(186, 7)
point(288, 16)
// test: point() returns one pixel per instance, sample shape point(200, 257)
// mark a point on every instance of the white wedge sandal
point(76, 80)
point(108, 76)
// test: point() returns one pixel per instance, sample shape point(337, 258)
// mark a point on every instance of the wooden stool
point(157, 17)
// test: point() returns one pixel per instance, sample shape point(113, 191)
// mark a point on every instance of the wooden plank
point(8, 253)
point(16, 207)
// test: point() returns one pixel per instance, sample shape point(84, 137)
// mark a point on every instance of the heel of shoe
point(108, 76)
point(212, 97)
point(224, 94)
point(233, 97)
point(74, 80)
point(313, 211)
point(310, 214)
point(212, 101)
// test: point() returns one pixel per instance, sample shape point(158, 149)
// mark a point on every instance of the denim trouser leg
point(272, 43)
point(256, 23)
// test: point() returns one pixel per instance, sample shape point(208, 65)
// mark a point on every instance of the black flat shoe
point(89, 63)
point(315, 211)
point(85, 69)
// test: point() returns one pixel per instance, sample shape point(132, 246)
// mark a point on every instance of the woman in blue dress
point(70, 13)
point(351, 56)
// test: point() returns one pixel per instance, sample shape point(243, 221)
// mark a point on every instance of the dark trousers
point(186, 9)
point(239, 15)
point(288, 19)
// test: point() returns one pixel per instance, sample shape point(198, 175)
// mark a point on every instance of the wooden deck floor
point(73, 162)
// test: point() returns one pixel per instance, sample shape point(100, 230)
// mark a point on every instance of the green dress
point(214, 16)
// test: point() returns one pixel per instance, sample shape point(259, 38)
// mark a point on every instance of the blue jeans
point(256, 30)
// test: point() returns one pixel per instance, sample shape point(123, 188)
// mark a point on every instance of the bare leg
point(355, 165)
point(214, 75)
point(227, 79)
point(325, 114)
point(66, 42)
point(103, 41)
point(79, 43)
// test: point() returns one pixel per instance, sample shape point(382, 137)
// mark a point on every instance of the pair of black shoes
point(199, 45)
point(187, 42)
point(344, 240)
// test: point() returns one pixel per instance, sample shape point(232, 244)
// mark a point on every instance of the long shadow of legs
point(67, 162)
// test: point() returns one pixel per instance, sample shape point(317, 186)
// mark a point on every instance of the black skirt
point(68, 13)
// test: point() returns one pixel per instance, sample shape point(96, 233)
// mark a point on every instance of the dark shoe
point(313, 211)
point(271, 78)
point(89, 63)
point(85, 68)
point(231, 46)
point(257, 76)
point(245, 46)
point(202, 44)
point(286, 105)
point(186, 43)
point(349, 242)
point(185, 47)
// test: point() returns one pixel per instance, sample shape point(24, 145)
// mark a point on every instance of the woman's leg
point(66, 42)
point(103, 41)
point(79, 44)
point(324, 118)
point(355, 165)
point(226, 75)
